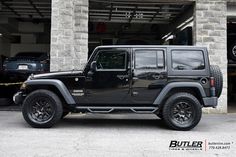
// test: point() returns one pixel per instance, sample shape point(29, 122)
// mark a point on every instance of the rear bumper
point(18, 98)
point(12, 69)
point(210, 102)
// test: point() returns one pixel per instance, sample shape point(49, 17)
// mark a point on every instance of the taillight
point(212, 81)
point(212, 84)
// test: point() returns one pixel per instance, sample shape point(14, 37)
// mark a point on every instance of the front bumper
point(210, 102)
point(18, 98)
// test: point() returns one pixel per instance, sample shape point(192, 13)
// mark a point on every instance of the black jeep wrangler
point(173, 82)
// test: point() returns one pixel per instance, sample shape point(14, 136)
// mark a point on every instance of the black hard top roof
point(149, 46)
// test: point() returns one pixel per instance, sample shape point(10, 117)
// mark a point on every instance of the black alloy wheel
point(182, 111)
point(42, 109)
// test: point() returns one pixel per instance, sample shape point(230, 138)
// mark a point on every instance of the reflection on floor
point(232, 107)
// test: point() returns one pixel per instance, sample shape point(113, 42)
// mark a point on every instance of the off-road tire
point(48, 98)
point(169, 107)
point(217, 74)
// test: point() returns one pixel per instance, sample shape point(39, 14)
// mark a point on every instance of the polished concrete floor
point(130, 135)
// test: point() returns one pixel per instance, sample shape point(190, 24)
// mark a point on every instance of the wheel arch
point(56, 86)
point(193, 88)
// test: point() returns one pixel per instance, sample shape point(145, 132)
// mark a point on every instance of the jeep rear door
point(148, 73)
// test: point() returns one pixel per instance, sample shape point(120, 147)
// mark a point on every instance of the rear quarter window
point(187, 60)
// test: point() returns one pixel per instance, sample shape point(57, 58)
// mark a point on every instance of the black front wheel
point(182, 111)
point(42, 109)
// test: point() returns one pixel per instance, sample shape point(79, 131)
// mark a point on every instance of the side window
point(149, 59)
point(111, 60)
point(187, 60)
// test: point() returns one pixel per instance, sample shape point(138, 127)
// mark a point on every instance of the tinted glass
point(188, 60)
point(111, 60)
point(149, 59)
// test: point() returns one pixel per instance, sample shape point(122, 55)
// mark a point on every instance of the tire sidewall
point(53, 98)
point(167, 109)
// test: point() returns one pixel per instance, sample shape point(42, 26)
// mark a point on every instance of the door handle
point(122, 77)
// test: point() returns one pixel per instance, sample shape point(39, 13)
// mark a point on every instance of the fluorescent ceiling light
point(185, 23)
point(166, 35)
point(170, 37)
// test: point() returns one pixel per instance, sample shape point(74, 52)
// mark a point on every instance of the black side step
point(96, 109)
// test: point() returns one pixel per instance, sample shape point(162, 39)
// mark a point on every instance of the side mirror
point(93, 66)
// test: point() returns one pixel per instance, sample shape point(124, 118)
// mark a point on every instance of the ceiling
point(231, 12)
point(136, 11)
point(26, 8)
point(116, 11)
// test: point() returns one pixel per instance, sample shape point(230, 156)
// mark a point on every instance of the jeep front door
point(110, 82)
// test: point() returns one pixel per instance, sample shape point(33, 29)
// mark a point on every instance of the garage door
point(139, 22)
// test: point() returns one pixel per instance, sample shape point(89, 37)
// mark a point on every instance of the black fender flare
point(56, 83)
point(174, 85)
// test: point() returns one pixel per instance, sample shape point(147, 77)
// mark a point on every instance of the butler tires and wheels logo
point(186, 145)
point(200, 145)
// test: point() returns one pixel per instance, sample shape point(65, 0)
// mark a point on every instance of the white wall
point(27, 31)
point(231, 10)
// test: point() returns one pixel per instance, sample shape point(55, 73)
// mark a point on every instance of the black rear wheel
point(42, 109)
point(182, 111)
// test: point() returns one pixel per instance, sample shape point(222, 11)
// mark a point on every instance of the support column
point(69, 34)
point(210, 30)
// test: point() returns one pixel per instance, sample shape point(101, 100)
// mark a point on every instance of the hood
point(56, 74)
